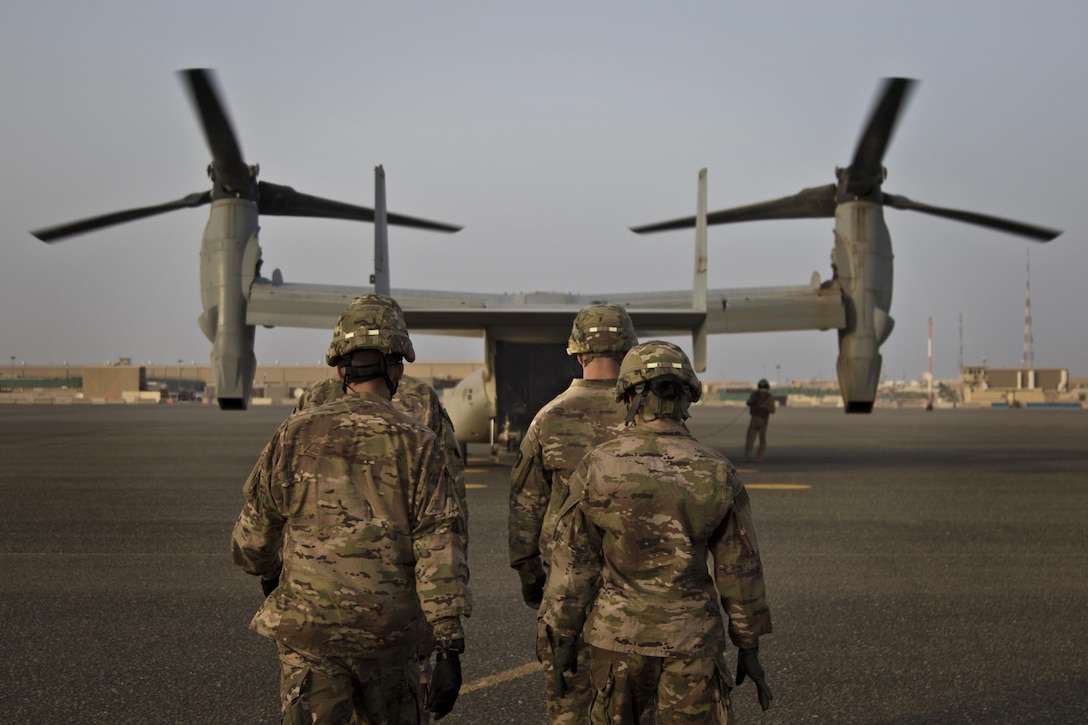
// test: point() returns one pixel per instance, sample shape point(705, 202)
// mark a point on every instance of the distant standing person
point(761, 408)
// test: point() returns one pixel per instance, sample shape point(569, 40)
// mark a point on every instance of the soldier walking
point(629, 563)
point(352, 523)
point(760, 408)
point(421, 401)
point(585, 414)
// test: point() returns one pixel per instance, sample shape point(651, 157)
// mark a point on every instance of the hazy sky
point(546, 129)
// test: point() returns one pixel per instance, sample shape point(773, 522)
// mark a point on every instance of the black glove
point(269, 583)
point(564, 659)
point(532, 582)
point(445, 678)
point(748, 666)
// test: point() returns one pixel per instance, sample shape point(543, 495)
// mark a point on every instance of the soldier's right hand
point(532, 578)
point(748, 665)
point(564, 659)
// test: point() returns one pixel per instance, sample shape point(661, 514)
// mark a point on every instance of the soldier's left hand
point(271, 581)
point(564, 659)
point(748, 665)
point(445, 678)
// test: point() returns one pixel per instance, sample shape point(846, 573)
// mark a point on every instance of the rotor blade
point(53, 234)
point(1039, 234)
point(227, 159)
point(814, 203)
point(867, 168)
point(277, 200)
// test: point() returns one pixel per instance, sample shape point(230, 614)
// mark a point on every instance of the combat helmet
point(370, 322)
point(601, 329)
point(763, 384)
point(662, 380)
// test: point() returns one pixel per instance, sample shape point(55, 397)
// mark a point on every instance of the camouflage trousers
point(573, 709)
point(757, 426)
point(687, 691)
point(348, 690)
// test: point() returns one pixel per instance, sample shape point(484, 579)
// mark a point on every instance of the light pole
point(12, 366)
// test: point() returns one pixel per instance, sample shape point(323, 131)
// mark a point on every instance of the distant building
point(1016, 387)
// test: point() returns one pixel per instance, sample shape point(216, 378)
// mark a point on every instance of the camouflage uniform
point(354, 496)
point(582, 416)
point(632, 541)
point(418, 400)
point(761, 407)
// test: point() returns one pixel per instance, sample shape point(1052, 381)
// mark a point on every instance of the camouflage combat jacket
point(761, 404)
point(644, 511)
point(355, 496)
point(562, 432)
point(418, 400)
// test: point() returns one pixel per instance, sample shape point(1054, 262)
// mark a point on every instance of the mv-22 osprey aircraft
point(525, 334)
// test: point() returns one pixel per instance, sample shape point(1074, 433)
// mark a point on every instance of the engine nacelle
point(863, 266)
point(229, 256)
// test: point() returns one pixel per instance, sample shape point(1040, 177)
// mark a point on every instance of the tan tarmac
point(921, 568)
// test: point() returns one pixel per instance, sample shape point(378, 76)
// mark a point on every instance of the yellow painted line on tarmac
point(475, 470)
point(779, 486)
point(475, 485)
point(500, 677)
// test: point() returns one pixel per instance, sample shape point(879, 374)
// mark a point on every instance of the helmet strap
point(652, 406)
point(634, 404)
point(363, 373)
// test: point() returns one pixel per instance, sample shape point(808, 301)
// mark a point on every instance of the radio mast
point(961, 343)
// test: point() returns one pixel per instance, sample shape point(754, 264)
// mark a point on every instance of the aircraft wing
point(547, 316)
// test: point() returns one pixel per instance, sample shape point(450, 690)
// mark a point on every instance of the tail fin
point(698, 293)
point(380, 278)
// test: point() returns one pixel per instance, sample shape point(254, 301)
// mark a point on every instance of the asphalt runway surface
point(922, 567)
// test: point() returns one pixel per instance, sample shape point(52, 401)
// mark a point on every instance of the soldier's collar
point(583, 383)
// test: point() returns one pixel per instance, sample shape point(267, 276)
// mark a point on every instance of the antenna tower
point(1027, 362)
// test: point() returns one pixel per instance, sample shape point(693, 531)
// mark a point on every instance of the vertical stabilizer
point(381, 235)
point(698, 294)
